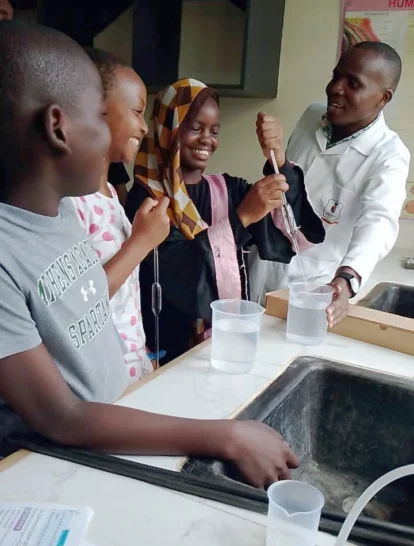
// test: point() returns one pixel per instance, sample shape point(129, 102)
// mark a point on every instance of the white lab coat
point(357, 187)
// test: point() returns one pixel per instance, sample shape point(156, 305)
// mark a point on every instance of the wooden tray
point(375, 327)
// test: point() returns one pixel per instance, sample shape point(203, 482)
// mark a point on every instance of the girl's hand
point(151, 223)
point(263, 197)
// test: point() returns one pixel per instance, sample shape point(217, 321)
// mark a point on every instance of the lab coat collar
point(364, 143)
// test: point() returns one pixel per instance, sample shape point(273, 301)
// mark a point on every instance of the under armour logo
point(90, 290)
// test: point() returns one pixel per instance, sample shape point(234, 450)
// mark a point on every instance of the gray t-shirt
point(54, 291)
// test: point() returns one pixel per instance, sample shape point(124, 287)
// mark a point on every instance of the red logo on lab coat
point(332, 212)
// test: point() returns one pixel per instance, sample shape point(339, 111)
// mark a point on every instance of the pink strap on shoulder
point(222, 241)
point(112, 190)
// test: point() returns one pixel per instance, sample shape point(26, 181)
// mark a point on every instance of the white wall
point(212, 36)
point(406, 235)
point(214, 55)
point(309, 27)
point(117, 38)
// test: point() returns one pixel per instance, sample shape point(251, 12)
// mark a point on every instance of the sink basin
point(397, 299)
point(348, 425)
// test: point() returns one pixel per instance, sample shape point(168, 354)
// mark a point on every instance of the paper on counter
point(35, 524)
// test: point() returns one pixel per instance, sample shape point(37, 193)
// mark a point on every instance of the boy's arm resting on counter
point(32, 385)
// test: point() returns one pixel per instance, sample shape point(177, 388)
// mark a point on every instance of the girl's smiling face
point(125, 105)
point(199, 137)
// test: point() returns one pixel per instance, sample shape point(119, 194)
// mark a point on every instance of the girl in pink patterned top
point(120, 245)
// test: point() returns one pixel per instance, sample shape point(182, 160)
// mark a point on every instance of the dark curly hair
point(106, 63)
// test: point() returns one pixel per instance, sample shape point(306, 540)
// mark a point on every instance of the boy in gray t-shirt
point(61, 359)
point(53, 290)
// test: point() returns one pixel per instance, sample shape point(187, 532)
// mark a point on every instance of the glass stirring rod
point(290, 224)
point(157, 305)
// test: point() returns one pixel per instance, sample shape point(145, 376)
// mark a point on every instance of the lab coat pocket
point(340, 206)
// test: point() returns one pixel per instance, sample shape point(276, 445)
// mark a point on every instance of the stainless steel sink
point(348, 425)
point(397, 299)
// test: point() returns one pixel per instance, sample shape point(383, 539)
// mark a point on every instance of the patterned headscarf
point(158, 163)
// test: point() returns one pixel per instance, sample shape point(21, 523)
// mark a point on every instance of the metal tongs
point(290, 223)
point(157, 305)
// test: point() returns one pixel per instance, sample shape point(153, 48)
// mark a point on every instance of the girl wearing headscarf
point(214, 219)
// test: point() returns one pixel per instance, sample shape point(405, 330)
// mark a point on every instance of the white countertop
point(391, 269)
point(125, 508)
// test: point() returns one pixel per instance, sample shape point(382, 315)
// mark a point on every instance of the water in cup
point(286, 533)
point(236, 328)
point(234, 345)
point(294, 514)
point(306, 326)
point(307, 322)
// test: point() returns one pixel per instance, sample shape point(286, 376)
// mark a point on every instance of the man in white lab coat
point(355, 173)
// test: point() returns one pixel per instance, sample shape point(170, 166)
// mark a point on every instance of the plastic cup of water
point(235, 338)
point(307, 322)
point(294, 514)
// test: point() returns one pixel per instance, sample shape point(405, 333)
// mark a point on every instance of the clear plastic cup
point(307, 322)
point(294, 514)
point(235, 338)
